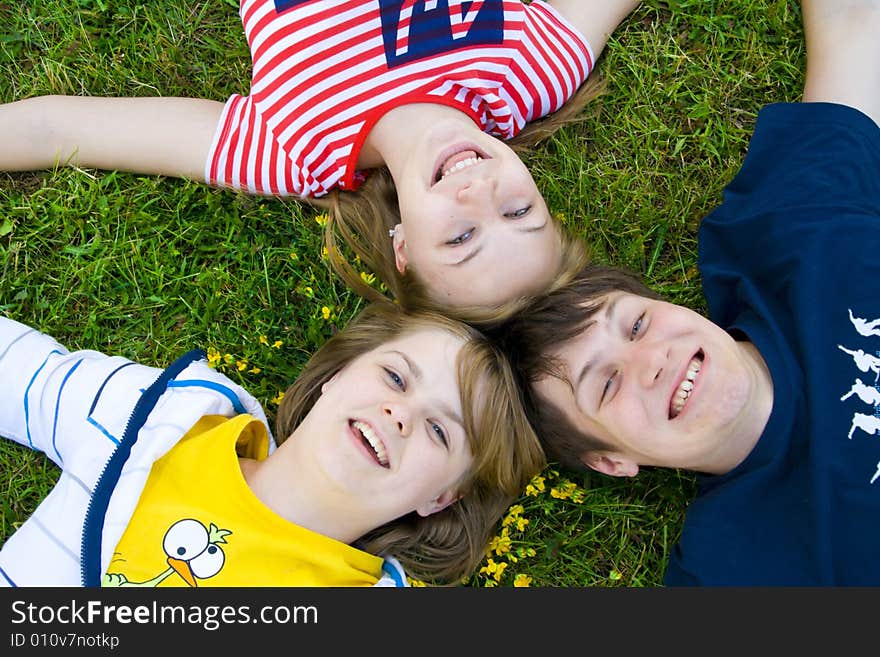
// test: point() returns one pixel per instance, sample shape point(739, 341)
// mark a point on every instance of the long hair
point(446, 546)
point(358, 222)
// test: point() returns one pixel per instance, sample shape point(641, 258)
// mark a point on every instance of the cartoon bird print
point(193, 552)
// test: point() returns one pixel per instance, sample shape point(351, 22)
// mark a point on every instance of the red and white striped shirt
point(324, 71)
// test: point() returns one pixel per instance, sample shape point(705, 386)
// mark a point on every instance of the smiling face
point(473, 224)
point(661, 385)
point(387, 430)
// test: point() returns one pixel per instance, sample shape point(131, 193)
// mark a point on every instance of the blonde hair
point(358, 222)
point(446, 546)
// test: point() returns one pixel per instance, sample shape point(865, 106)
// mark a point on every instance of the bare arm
point(843, 51)
point(167, 136)
point(595, 19)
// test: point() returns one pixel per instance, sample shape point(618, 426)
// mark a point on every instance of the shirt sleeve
point(807, 155)
point(49, 397)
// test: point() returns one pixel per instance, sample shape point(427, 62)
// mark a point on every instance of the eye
point(516, 214)
point(395, 379)
point(461, 239)
point(636, 327)
point(439, 432)
point(608, 385)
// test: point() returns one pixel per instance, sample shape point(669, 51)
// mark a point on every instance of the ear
point(329, 382)
point(611, 464)
point(398, 243)
point(438, 503)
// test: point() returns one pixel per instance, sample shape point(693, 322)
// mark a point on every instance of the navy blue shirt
point(791, 262)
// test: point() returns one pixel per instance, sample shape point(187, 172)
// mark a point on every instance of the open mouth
point(371, 441)
point(458, 160)
point(683, 392)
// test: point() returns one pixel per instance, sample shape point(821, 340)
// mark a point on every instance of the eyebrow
point(610, 307)
point(417, 373)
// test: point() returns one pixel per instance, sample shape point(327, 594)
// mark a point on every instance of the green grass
point(148, 267)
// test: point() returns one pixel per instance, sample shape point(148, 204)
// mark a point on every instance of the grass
point(148, 267)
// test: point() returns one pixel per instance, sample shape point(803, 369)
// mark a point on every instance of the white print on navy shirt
point(867, 393)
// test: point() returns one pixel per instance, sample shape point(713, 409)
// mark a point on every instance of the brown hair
point(446, 546)
point(531, 337)
point(361, 220)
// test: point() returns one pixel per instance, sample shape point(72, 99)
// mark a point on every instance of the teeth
point(461, 164)
point(684, 388)
point(374, 441)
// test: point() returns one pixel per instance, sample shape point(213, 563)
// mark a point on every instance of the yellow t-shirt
point(197, 523)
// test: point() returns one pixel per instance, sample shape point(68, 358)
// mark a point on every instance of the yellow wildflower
point(564, 491)
point(325, 311)
point(500, 544)
point(494, 570)
point(213, 357)
point(241, 364)
point(264, 340)
point(277, 398)
point(229, 359)
point(369, 279)
point(535, 486)
point(614, 575)
point(321, 219)
point(277, 344)
point(256, 370)
point(513, 513)
point(522, 580)
point(294, 256)
point(415, 582)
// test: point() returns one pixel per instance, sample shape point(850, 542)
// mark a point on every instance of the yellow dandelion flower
point(522, 580)
point(325, 312)
point(264, 340)
point(277, 398)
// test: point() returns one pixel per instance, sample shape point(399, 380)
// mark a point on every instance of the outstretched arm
point(167, 136)
point(594, 19)
point(843, 48)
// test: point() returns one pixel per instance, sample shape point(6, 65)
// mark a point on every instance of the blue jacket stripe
point(6, 577)
point(57, 404)
point(393, 573)
point(98, 426)
point(216, 387)
point(101, 389)
point(27, 390)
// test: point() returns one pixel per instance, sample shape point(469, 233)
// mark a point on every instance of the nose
point(479, 189)
point(649, 360)
point(399, 414)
